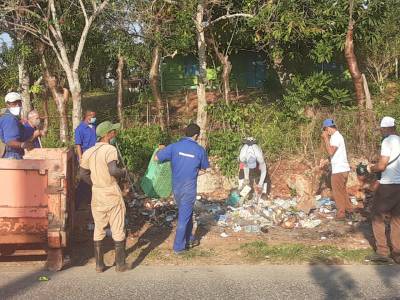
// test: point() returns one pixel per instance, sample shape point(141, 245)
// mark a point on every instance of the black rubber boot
point(120, 264)
point(99, 256)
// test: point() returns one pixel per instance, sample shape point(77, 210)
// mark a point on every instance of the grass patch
point(299, 253)
point(195, 253)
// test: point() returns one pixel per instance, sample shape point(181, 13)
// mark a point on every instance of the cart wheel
point(55, 259)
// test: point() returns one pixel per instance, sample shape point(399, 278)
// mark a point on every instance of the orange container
point(37, 201)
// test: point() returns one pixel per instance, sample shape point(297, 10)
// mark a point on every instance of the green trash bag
point(157, 182)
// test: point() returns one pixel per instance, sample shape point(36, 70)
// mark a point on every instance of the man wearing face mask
point(336, 148)
point(31, 129)
point(187, 159)
point(85, 138)
point(85, 133)
point(11, 129)
point(99, 169)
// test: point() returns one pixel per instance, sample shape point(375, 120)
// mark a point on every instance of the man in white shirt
point(251, 157)
point(336, 148)
point(386, 203)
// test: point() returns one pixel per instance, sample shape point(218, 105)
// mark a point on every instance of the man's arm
point(262, 165)
point(329, 148)
point(386, 152)
point(12, 134)
point(381, 165)
point(78, 149)
point(84, 174)
point(78, 143)
point(164, 154)
point(115, 171)
point(20, 145)
point(263, 170)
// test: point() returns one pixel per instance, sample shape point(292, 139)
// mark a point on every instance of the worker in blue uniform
point(12, 130)
point(187, 158)
point(31, 129)
point(85, 138)
point(85, 133)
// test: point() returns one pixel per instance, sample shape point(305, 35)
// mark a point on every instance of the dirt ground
point(151, 244)
point(150, 239)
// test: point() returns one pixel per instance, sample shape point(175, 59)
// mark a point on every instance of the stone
point(303, 186)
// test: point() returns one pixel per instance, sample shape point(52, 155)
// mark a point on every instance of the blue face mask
point(113, 141)
point(92, 120)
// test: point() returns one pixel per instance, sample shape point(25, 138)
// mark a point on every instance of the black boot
point(120, 265)
point(99, 256)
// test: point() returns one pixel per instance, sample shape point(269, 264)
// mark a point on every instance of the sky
point(5, 38)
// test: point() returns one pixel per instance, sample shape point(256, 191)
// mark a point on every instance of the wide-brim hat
point(105, 127)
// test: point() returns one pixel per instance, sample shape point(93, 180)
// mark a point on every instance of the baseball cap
point(328, 123)
point(105, 127)
point(387, 122)
point(12, 97)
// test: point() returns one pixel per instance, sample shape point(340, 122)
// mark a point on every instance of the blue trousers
point(13, 155)
point(185, 197)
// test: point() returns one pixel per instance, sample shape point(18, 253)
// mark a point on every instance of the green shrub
point(137, 145)
point(315, 90)
point(276, 134)
point(225, 146)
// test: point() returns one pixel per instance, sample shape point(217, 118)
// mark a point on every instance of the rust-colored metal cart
point(37, 203)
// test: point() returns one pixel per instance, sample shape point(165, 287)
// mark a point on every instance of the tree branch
point(84, 34)
point(229, 16)
point(172, 55)
point(84, 11)
point(57, 31)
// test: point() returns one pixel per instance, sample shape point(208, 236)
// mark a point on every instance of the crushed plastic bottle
point(310, 223)
point(252, 228)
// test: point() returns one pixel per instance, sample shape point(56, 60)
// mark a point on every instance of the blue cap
point(328, 123)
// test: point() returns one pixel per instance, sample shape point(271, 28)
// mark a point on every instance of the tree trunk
point(24, 85)
point(154, 80)
point(368, 100)
point(202, 78)
point(357, 78)
point(60, 96)
point(46, 110)
point(226, 72)
point(352, 64)
point(76, 93)
point(226, 69)
point(120, 70)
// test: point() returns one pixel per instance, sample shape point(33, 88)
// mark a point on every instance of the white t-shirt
point(339, 159)
point(251, 155)
point(391, 148)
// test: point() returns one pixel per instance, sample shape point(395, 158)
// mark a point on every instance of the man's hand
point(36, 134)
point(257, 189)
point(323, 163)
point(27, 145)
point(325, 135)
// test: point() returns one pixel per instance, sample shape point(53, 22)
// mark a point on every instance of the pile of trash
point(257, 215)
point(237, 212)
point(160, 212)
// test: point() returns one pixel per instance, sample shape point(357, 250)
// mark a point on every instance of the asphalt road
point(20, 281)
